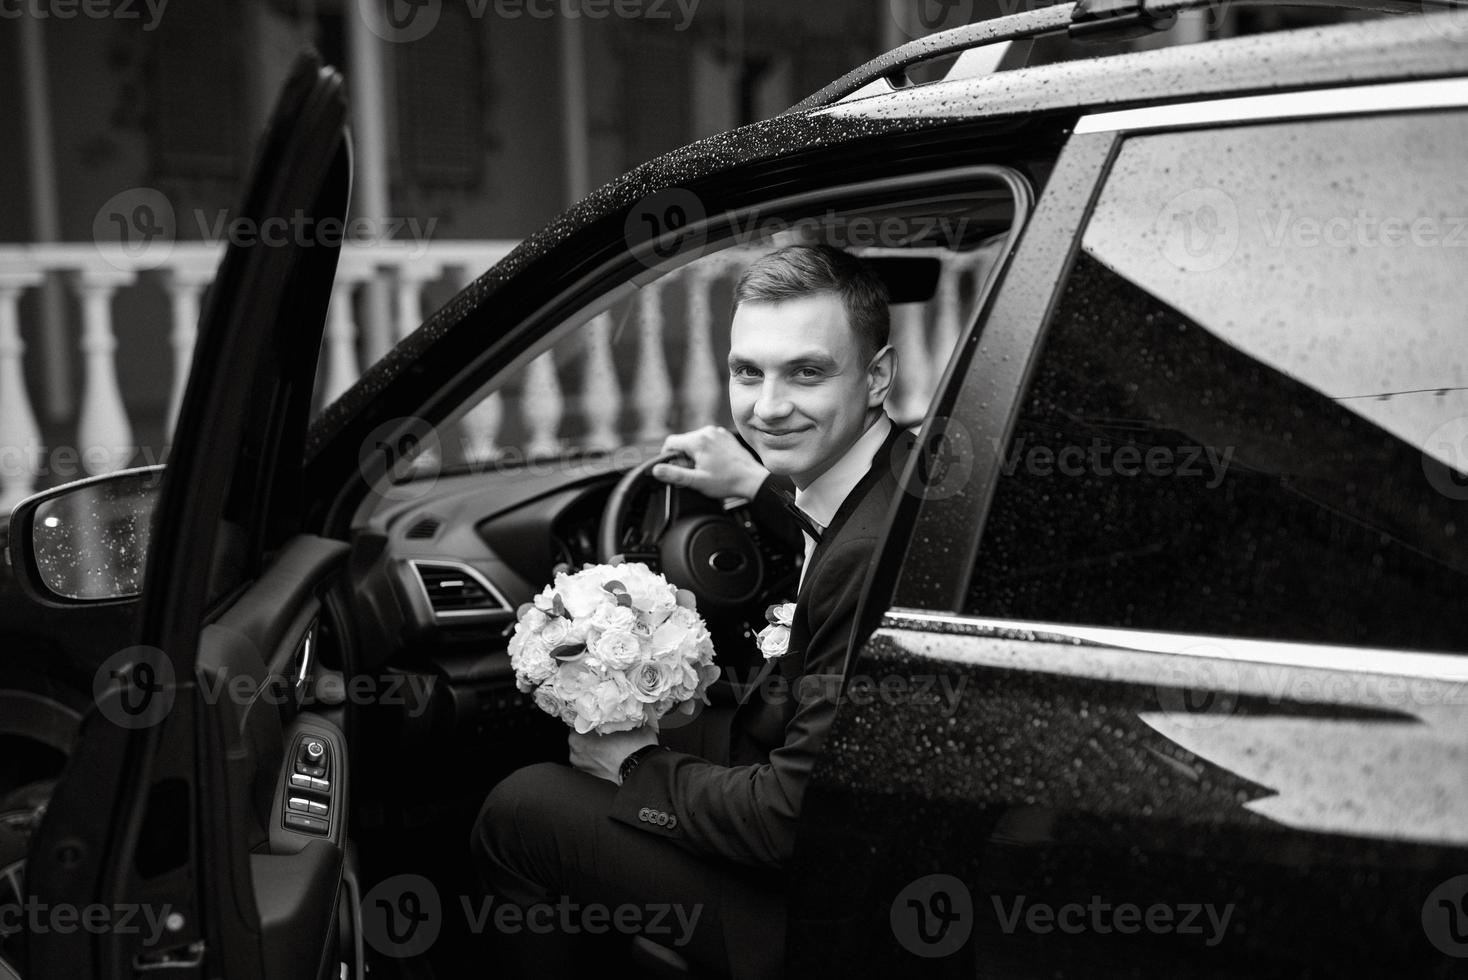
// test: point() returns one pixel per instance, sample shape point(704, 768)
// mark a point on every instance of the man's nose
point(772, 403)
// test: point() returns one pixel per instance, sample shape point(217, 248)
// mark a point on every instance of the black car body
point(1161, 670)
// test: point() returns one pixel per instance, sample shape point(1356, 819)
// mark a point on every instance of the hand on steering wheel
point(721, 466)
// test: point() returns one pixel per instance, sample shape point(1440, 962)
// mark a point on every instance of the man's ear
point(881, 373)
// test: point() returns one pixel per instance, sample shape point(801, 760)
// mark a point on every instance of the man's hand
point(721, 466)
point(602, 755)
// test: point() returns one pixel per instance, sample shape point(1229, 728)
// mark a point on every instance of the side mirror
point(87, 541)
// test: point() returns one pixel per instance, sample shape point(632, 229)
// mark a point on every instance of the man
point(636, 823)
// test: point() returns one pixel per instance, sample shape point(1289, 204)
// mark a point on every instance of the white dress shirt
point(829, 491)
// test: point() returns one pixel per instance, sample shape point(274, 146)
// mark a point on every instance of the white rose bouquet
point(611, 648)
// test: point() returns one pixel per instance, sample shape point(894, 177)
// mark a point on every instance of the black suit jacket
point(747, 811)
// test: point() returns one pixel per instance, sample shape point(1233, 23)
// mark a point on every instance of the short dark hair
point(800, 270)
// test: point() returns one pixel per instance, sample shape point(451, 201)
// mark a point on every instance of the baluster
point(184, 289)
point(601, 398)
point(700, 380)
point(481, 425)
point(654, 395)
point(341, 343)
point(409, 295)
point(103, 430)
point(914, 367)
point(20, 438)
point(949, 321)
point(542, 406)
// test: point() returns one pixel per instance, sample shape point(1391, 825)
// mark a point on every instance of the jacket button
point(643, 814)
point(672, 821)
point(662, 819)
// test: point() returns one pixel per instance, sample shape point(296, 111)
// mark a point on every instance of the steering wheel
point(714, 555)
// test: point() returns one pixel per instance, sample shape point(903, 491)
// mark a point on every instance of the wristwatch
point(634, 760)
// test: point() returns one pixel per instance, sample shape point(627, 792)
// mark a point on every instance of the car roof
point(1356, 53)
point(1396, 48)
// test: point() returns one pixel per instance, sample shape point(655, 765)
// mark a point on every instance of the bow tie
point(801, 518)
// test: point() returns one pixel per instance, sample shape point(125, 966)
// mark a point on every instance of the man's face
point(799, 385)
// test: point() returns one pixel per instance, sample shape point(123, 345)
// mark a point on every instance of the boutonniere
point(774, 639)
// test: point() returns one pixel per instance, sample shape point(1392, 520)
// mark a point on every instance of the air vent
point(455, 590)
point(425, 528)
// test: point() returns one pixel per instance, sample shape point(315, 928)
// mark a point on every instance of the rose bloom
point(784, 613)
point(651, 594)
point(531, 659)
point(555, 632)
point(617, 649)
point(685, 617)
point(607, 705)
point(547, 699)
point(652, 681)
point(534, 620)
point(580, 593)
point(610, 617)
point(671, 637)
point(774, 641)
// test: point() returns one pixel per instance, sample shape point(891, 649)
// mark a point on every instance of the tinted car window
point(1249, 414)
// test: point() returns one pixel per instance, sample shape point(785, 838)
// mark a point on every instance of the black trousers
point(580, 883)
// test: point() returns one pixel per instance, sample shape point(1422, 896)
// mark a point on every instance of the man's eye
point(743, 372)
point(808, 373)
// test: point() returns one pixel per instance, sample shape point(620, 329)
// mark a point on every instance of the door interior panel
point(289, 770)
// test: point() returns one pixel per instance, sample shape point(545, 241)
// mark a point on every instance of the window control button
point(320, 785)
point(305, 824)
point(299, 781)
point(317, 809)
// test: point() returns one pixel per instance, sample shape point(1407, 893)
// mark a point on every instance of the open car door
point(167, 838)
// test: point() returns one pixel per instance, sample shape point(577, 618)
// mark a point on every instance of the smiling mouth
point(780, 433)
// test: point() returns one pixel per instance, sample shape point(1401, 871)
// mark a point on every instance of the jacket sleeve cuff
point(642, 801)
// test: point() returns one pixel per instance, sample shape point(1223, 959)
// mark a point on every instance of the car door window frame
point(976, 419)
point(569, 308)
